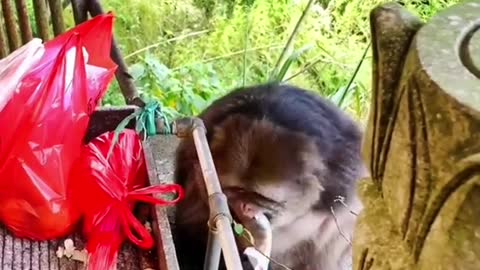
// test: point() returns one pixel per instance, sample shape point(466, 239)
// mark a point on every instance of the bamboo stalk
point(212, 255)
point(221, 220)
point(56, 11)
point(11, 25)
point(41, 18)
point(3, 38)
point(24, 23)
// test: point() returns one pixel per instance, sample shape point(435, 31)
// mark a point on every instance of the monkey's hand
point(256, 223)
point(260, 228)
point(261, 231)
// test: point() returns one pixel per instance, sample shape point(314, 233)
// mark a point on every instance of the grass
point(186, 53)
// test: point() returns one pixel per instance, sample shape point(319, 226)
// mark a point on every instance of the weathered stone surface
point(422, 143)
point(159, 153)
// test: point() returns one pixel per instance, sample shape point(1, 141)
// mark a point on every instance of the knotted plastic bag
point(105, 187)
point(43, 126)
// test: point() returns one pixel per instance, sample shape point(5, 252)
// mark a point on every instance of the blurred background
point(187, 53)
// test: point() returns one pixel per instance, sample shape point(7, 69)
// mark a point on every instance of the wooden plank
point(159, 154)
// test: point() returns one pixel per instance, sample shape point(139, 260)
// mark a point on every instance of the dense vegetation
point(187, 52)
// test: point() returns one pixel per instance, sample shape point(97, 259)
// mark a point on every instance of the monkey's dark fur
point(287, 151)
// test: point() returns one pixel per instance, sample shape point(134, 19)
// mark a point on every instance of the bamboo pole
point(11, 25)
point(220, 221)
point(23, 22)
point(56, 11)
point(3, 38)
point(212, 255)
point(41, 18)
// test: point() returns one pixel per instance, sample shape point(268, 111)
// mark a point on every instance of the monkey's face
point(266, 169)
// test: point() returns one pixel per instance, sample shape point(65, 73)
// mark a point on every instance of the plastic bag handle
point(144, 239)
point(145, 194)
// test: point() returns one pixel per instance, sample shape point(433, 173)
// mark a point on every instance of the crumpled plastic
point(44, 122)
point(16, 65)
point(105, 187)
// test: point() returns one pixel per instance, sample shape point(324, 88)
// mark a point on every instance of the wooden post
point(422, 145)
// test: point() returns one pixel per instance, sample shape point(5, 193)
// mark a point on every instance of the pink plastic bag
point(43, 126)
point(16, 65)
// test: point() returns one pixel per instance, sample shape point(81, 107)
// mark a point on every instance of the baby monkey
point(285, 153)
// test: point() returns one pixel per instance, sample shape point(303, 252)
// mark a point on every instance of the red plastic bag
point(105, 189)
point(43, 126)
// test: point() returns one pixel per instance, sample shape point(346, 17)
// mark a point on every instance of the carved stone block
point(422, 145)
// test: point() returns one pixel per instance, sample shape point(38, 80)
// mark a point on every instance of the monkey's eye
point(269, 216)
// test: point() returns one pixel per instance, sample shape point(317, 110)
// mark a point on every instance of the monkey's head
point(265, 168)
point(262, 167)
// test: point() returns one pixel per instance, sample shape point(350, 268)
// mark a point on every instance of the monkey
point(284, 152)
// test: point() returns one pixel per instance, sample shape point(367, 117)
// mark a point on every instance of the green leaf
point(354, 75)
point(198, 102)
point(290, 42)
point(159, 70)
point(288, 63)
point(343, 94)
point(137, 71)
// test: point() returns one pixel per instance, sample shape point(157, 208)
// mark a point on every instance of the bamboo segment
point(11, 25)
point(23, 22)
point(41, 18)
point(3, 38)
point(57, 16)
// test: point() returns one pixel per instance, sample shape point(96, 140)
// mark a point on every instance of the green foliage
point(239, 42)
point(183, 91)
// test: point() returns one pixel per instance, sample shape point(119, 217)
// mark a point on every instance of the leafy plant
point(282, 67)
point(186, 59)
point(184, 91)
